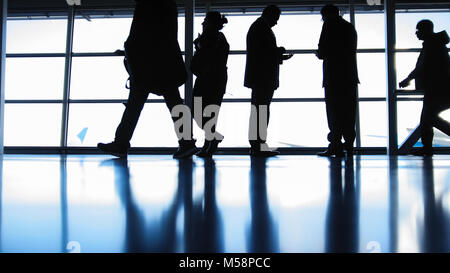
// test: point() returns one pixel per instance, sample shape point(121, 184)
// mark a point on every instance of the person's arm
point(415, 73)
point(323, 46)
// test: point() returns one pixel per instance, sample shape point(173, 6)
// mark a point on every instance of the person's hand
point(285, 57)
point(318, 54)
point(119, 52)
point(404, 83)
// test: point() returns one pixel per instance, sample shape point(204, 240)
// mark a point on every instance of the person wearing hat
point(262, 76)
point(209, 64)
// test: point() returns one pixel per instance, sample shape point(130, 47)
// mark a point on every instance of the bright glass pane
point(301, 77)
point(236, 73)
point(372, 74)
point(233, 124)
point(370, 29)
point(155, 127)
point(93, 123)
point(298, 31)
point(408, 117)
point(291, 124)
point(236, 30)
point(100, 35)
point(36, 36)
point(98, 78)
point(406, 62)
point(373, 123)
point(32, 124)
point(109, 34)
point(284, 130)
point(406, 26)
point(34, 78)
point(101, 78)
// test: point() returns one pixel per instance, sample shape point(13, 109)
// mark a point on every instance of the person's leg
point(332, 105)
point(426, 126)
point(209, 123)
point(172, 99)
point(130, 117)
point(119, 147)
point(349, 118)
point(440, 123)
point(186, 142)
point(259, 121)
point(260, 100)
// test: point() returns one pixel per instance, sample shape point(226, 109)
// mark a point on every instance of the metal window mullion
point(391, 81)
point(357, 113)
point(67, 76)
point(3, 22)
point(189, 16)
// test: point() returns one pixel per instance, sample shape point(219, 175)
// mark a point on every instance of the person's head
point(424, 29)
point(214, 21)
point(329, 12)
point(271, 15)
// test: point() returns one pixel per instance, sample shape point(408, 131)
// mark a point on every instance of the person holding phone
point(262, 72)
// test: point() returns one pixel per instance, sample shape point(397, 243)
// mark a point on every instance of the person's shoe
point(259, 153)
point(332, 152)
point(114, 149)
point(263, 151)
point(349, 151)
point(212, 149)
point(204, 151)
point(423, 152)
point(186, 149)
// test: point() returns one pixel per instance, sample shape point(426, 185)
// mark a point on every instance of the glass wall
point(34, 81)
point(36, 64)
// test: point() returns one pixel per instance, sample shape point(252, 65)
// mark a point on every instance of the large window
point(34, 81)
point(35, 77)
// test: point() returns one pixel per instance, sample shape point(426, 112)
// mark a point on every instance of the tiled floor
point(229, 204)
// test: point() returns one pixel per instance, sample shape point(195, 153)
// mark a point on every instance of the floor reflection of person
point(263, 233)
point(342, 221)
point(436, 231)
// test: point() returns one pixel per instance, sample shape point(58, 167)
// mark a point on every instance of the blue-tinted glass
point(406, 26)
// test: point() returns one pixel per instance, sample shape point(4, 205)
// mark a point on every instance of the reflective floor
point(288, 204)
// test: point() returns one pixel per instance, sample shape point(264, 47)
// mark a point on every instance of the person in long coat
point(337, 49)
point(209, 64)
point(432, 74)
point(262, 76)
point(155, 65)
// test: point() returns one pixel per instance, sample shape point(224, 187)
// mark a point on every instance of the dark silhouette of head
point(271, 15)
point(329, 12)
point(214, 21)
point(424, 29)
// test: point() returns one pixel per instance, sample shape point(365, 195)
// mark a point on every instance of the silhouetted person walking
point(262, 76)
point(155, 65)
point(432, 74)
point(209, 64)
point(337, 49)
